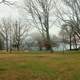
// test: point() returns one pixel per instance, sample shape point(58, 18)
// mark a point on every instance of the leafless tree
point(20, 33)
point(4, 28)
point(40, 12)
point(75, 17)
point(69, 15)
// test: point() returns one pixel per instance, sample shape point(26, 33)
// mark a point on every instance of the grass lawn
point(36, 66)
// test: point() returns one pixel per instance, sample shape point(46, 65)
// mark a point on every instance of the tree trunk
point(75, 41)
point(49, 41)
point(47, 30)
point(70, 43)
point(6, 45)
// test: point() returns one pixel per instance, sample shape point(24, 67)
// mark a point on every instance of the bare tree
point(20, 33)
point(4, 28)
point(69, 16)
point(1, 41)
point(40, 12)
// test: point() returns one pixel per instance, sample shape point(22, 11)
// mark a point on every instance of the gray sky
point(6, 11)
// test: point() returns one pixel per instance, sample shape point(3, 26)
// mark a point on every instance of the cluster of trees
point(13, 34)
point(67, 15)
point(43, 14)
point(70, 27)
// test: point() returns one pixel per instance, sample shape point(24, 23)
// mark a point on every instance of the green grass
point(36, 66)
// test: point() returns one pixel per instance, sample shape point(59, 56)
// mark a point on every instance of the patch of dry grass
point(36, 66)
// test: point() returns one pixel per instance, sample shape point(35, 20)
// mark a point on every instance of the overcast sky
point(6, 11)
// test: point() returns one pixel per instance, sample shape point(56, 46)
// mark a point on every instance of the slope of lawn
point(36, 66)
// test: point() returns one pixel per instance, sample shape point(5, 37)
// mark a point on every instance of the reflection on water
point(63, 46)
point(60, 47)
